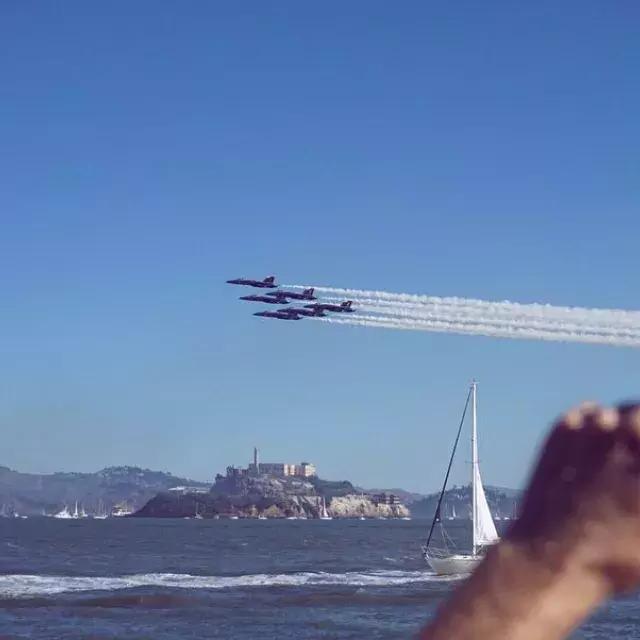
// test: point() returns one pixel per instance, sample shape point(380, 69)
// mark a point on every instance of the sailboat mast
point(474, 464)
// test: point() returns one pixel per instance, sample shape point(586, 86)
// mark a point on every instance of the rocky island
point(273, 490)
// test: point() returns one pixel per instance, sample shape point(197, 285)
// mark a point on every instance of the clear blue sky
point(151, 150)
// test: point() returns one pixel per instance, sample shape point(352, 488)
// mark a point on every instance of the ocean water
point(170, 579)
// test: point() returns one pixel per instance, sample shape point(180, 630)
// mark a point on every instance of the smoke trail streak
point(476, 325)
point(496, 312)
point(453, 315)
point(617, 317)
point(500, 314)
point(523, 333)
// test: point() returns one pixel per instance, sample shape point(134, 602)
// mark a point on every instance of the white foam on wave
point(18, 585)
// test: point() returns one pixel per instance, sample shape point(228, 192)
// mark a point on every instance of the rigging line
point(436, 516)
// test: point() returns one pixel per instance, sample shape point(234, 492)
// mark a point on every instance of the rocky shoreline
point(206, 506)
point(268, 497)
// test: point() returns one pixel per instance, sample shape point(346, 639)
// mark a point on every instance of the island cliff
point(262, 495)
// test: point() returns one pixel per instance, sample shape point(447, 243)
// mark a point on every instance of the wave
point(17, 585)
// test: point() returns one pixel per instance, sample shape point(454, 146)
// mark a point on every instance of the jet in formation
point(267, 283)
point(307, 294)
point(343, 307)
point(307, 313)
point(274, 298)
point(278, 315)
point(292, 313)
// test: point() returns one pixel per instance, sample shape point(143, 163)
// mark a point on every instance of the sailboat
point(64, 514)
point(100, 514)
point(442, 561)
point(324, 514)
point(121, 510)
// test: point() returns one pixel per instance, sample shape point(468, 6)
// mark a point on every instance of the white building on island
point(280, 469)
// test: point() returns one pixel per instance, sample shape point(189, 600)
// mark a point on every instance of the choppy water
point(169, 579)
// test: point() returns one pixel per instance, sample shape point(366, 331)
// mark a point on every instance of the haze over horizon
point(464, 150)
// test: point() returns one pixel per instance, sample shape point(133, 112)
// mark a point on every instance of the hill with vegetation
point(97, 493)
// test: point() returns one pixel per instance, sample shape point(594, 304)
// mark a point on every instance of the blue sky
point(150, 151)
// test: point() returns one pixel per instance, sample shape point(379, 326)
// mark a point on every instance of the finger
point(575, 419)
point(554, 467)
point(558, 460)
point(568, 439)
point(604, 420)
point(630, 417)
point(600, 431)
point(630, 431)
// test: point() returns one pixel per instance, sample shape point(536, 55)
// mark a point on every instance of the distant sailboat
point(79, 513)
point(324, 514)
point(63, 514)
point(100, 514)
point(484, 530)
point(121, 510)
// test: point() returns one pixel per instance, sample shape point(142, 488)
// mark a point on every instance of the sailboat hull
point(453, 565)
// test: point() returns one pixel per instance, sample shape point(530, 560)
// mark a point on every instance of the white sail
point(324, 514)
point(484, 530)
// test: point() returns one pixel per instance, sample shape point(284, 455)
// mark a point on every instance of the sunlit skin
point(576, 542)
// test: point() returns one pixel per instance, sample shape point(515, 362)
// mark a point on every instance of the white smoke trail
point(505, 309)
point(451, 315)
point(506, 331)
point(497, 311)
point(480, 317)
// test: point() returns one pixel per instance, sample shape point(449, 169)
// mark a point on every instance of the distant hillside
point(100, 492)
point(456, 503)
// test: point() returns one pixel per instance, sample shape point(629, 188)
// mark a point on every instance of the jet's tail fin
point(269, 280)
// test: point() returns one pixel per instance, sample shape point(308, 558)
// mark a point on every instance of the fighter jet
point(274, 298)
point(343, 307)
point(267, 283)
point(307, 294)
point(278, 315)
point(308, 313)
